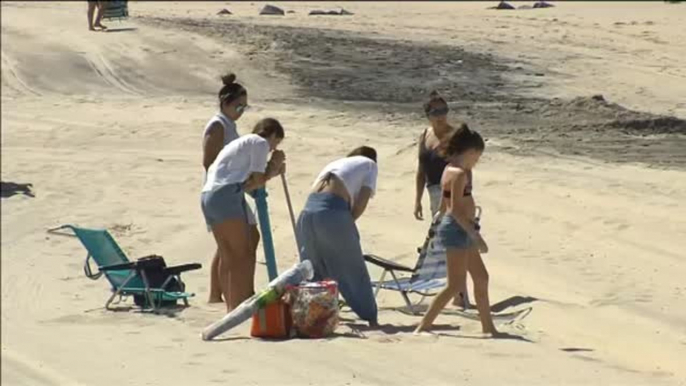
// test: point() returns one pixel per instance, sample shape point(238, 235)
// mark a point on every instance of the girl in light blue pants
point(327, 233)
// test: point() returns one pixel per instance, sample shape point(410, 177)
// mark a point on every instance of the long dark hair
point(267, 127)
point(461, 140)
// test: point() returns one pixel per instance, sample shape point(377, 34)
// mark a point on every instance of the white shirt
point(230, 132)
point(229, 125)
point(236, 161)
point(355, 173)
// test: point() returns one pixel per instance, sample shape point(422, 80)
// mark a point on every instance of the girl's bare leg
point(224, 265)
point(98, 17)
point(457, 273)
point(91, 11)
point(254, 243)
point(235, 274)
point(215, 283)
point(479, 274)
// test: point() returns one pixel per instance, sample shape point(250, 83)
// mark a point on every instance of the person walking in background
point(92, 5)
point(430, 167)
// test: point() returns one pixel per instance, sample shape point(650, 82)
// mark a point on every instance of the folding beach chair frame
point(137, 268)
point(119, 18)
point(391, 267)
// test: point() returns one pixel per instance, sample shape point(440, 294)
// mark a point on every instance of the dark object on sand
point(224, 12)
point(342, 12)
point(542, 4)
point(272, 10)
point(503, 5)
point(9, 189)
point(115, 9)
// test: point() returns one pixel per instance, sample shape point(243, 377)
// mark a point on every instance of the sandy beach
point(582, 183)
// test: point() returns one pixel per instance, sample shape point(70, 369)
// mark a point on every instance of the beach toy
point(314, 308)
point(275, 289)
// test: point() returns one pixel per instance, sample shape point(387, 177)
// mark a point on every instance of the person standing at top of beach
point(457, 229)
point(92, 5)
point(327, 233)
point(431, 164)
point(219, 131)
point(240, 167)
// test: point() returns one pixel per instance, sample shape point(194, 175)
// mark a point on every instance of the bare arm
point(420, 181)
point(258, 180)
point(456, 192)
point(212, 144)
point(361, 202)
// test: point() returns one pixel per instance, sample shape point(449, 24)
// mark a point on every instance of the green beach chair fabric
point(117, 9)
point(127, 278)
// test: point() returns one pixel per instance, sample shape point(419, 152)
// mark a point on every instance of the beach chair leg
point(118, 291)
point(148, 293)
point(403, 293)
point(378, 283)
point(409, 303)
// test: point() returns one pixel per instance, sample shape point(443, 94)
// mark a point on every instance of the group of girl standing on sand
point(326, 230)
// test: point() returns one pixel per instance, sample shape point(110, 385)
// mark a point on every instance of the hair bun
point(434, 94)
point(228, 78)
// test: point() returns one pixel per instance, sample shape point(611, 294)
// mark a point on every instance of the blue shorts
point(225, 203)
point(451, 234)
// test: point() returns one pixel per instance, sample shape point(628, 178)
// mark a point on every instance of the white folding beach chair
point(428, 275)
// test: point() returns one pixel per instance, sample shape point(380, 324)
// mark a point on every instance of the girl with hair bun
point(219, 131)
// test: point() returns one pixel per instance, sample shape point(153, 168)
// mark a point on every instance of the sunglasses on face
point(241, 108)
point(438, 112)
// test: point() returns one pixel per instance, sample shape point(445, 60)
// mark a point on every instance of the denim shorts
point(224, 203)
point(451, 234)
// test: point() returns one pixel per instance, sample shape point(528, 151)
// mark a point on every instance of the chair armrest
point(120, 266)
point(177, 269)
point(387, 264)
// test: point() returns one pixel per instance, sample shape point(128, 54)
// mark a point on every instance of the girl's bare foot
point(102, 27)
point(215, 299)
point(419, 331)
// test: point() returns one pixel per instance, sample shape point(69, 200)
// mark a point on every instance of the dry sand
point(583, 198)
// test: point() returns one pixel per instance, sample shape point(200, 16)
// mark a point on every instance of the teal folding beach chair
point(130, 278)
point(115, 9)
point(425, 279)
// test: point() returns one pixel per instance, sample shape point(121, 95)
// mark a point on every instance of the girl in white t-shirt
point(218, 132)
point(326, 229)
point(241, 166)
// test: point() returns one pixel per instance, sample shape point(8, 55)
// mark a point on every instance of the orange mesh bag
point(272, 321)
